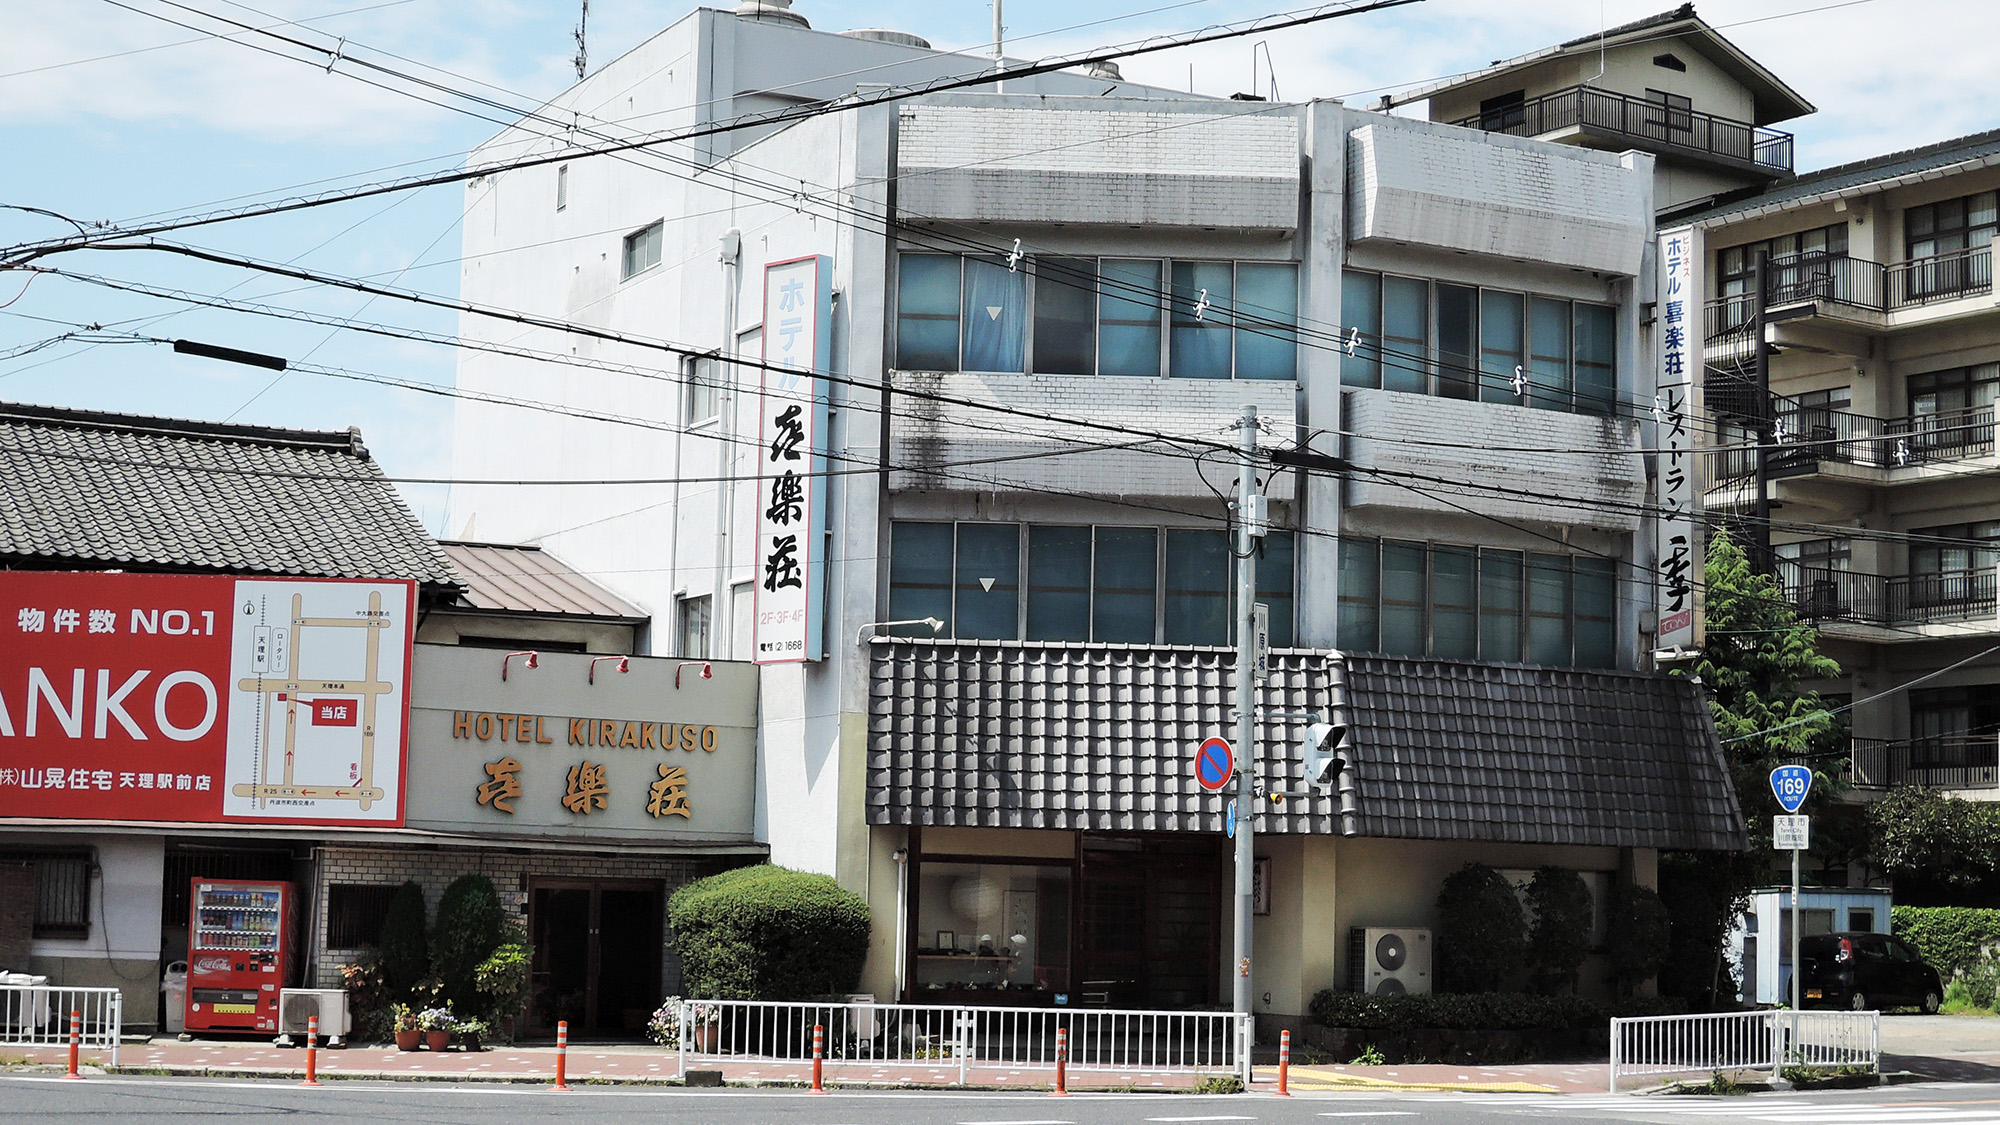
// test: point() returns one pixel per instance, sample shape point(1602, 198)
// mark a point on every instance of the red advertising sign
point(175, 698)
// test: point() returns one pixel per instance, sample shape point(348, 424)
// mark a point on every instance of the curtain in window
point(1406, 335)
point(1500, 316)
point(989, 572)
point(1596, 359)
point(1548, 354)
point(996, 301)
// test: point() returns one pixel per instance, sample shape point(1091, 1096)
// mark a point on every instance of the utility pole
point(582, 49)
point(1760, 362)
point(999, 32)
point(1249, 528)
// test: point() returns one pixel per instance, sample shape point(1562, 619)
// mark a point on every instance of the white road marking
point(1201, 1119)
point(1373, 1113)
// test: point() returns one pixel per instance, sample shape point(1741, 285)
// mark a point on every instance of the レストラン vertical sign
point(1677, 550)
point(791, 458)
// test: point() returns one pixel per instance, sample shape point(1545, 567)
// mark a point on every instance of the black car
point(1864, 971)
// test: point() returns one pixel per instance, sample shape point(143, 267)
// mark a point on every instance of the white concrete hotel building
point(1456, 313)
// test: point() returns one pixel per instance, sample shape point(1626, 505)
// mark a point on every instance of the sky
point(111, 113)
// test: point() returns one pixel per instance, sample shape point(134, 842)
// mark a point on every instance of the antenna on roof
point(582, 51)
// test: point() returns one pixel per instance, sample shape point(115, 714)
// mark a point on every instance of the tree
point(406, 953)
point(768, 933)
point(1755, 653)
point(1639, 935)
point(470, 926)
point(1925, 836)
point(1482, 937)
point(1559, 939)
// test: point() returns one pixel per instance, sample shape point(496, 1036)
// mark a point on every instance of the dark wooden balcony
point(1644, 124)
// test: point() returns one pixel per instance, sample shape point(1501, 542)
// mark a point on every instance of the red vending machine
point(239, 954)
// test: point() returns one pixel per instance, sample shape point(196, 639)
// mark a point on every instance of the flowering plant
point(664, 1027)
point(437, 1019)
point(407, 1018)
point(704, 1015)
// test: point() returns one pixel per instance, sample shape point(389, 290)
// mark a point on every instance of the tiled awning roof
point(1073, 736)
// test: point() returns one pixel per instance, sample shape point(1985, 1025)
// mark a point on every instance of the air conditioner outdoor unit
point(296, 1005)
point(1383, 961)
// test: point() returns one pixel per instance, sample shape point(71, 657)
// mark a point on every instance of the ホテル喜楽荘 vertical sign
point(791, 461)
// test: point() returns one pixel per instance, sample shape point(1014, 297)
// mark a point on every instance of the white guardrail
point(1647, 1046)
point(37, 1015)
point(937, 1037)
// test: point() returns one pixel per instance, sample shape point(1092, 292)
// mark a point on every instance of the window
point(1504, 112)
point(1801, 268)
point(61, 891)
point(1966, 223)
point(354, 913)
point(984, 926)
point(1109, 316)
point(562, 186)
point(1670, 62)
point(1456, 341)
point(697, 618)
point(1675, 115)
point(642, 250)
point(704, 389)
point(1471, 603)
point(1052, 582)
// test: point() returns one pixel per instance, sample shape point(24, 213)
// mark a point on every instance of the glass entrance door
point(597, 956)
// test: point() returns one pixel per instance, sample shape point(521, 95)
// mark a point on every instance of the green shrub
point(1482, 937)
point(1560, 937)
point(470, 926)
point(1219, 1084)
point(503, 979)
point(768, 933)
point(406, 947)
point(1638, 934)
point(1482, 1011)
point(1951, 939)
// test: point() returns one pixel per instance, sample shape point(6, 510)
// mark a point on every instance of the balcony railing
point(1821, 593)
point(1808, 437)
point(1953, 761)
point(1640, 119)
point(1857, 284)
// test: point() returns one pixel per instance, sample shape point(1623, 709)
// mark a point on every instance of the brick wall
point(434, 869)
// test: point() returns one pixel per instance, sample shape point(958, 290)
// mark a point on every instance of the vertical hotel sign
point(791, 461)
point(1676, 551)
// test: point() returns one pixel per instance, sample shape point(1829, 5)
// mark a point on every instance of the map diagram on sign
point(317, 672)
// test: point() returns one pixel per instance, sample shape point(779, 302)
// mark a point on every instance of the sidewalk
point(632, 1063)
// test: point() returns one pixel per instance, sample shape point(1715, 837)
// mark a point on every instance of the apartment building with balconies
point(1876, 440)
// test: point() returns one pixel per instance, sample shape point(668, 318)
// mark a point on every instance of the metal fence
point(35, 1015)
point(1648, 1046)
point(938, 1037)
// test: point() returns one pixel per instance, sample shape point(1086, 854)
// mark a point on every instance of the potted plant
point(437, 1024)
point(469, 1032)
point(409, 1032)
point(665, 1026)
point(505, 979)
point(704, 1019)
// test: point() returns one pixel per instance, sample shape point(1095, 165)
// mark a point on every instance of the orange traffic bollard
point(562, 1055)
point(819, 1057)
point(312, 1051)
point(1284, 1064)
point(75, 1042)
point(1062, 1064)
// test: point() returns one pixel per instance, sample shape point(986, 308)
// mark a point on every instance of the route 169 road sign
point(1790, 784)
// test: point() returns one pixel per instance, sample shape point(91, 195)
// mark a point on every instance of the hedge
point(768, 933)
point(1482, 935)
point(1491, 1011)
point(1951, 939)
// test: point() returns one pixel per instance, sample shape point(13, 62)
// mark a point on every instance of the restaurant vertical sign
point(791, 461)
point(1678, 548)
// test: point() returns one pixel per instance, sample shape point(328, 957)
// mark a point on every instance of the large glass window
point(1065, 315)
point(988, 587)
point(1456, 341)
point(927, 313)
point(1076, 316)
point(1267, 315)
point(1059, 583)
point(1467, 603)
point(1124, 584)
point(1129, 318)
point(1361, 317)
point(996, 301)
point(1199, 569)
point(1131, 585)
point(1199, 348)
point(1965, 223)
point(992, 928)
point(920, 575)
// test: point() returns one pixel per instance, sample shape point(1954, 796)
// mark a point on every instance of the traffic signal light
point(1323, 752)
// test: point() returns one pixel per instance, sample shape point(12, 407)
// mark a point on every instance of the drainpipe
point(723, 617)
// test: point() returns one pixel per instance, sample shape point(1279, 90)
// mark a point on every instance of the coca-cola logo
point(205, 965)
